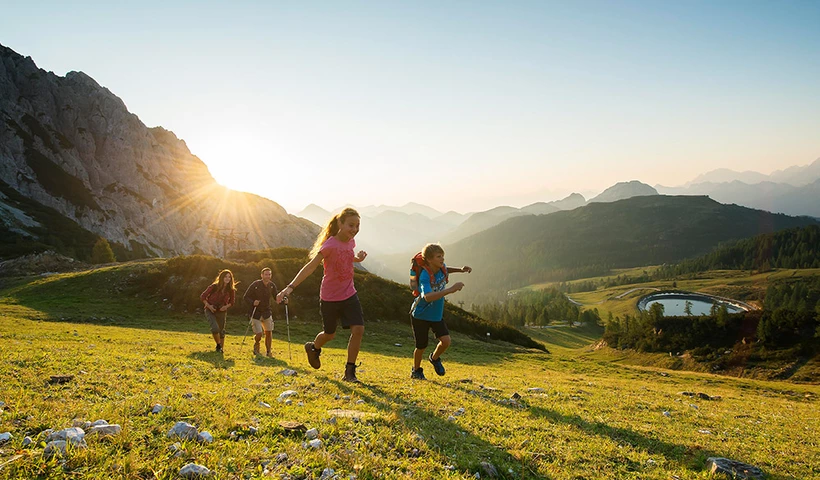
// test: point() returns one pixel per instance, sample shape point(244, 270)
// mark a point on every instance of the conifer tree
point(102, 253)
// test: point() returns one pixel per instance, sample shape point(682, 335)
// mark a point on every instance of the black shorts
point(420, 328)
point(348, 311)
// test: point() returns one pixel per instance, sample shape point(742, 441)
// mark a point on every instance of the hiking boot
point(313, 355)
point(437, 366)
point(350, 373)
point(418, 374)
point(256, 348)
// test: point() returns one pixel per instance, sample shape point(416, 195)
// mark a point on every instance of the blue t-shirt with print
point(432, 312)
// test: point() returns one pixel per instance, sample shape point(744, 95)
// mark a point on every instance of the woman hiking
point(218, 297)
point(338, 301)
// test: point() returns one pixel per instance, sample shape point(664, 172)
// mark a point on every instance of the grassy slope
point(595, 418)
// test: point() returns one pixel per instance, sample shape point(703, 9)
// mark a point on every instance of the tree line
point(791, 248)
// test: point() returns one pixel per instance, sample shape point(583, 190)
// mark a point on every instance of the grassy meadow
point(589, 415)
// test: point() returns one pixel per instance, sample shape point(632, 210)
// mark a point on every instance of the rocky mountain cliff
point(70, 144)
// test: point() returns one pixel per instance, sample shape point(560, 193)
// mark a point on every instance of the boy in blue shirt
point(428, 309)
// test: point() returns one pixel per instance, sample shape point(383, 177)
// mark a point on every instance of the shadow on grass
point(689, 457)
point(692, 458)
point(217, 359)
point(452, 442)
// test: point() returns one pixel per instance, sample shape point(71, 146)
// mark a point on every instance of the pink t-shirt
point(337, 282)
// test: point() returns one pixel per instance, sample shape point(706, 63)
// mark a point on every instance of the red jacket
point(216, 298)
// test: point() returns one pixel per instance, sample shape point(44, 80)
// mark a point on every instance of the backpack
point(417, 264)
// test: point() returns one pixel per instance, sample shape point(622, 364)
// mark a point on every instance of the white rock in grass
point(175, 447)
point(459, 412)
point(327, 474)
point(489, 469)
point(667, 414)
point(193, 470)
point(73, 435)
point(315, 443)
point(105, 430)
point(157, 408)
point(184, 431)
point(286, 394)
point(312, 433)
point(282, 457)
point(451, 418)
point(288, 402)
point(56, 447)
point(733, 468)
point(5, 437)
point(288, 372)
point(535, 390)
point(264, 405)
point(27, 441)
point(97, 423)
point(205, 437)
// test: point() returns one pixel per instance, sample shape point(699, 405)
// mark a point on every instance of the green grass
point(599, 415)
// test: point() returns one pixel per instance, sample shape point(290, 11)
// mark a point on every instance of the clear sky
point(460, 105)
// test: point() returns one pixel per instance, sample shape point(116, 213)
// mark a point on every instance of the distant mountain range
point(797, 176)
point(70, 148)
point(766, 195)
point(591, 240)
point(392, 229)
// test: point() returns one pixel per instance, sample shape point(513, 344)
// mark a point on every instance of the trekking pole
point(250, 322)
point(287, 324)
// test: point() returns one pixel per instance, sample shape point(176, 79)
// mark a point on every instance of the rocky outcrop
point(72, 145)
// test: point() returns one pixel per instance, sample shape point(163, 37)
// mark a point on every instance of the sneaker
point(350, 373)
point(313, 355)
point(437, 366)
point(418, 374)
point(218, 347)
point(256, 348)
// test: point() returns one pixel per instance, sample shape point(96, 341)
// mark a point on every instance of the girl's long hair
point(220, 285)
point(331, 229)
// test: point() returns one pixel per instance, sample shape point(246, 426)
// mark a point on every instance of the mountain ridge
point(70, 144)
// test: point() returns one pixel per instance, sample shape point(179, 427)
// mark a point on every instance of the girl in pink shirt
point(338, 300)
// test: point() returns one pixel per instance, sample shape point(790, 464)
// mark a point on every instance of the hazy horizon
point(511, 104)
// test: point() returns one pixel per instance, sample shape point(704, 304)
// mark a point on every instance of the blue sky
point(481, 103)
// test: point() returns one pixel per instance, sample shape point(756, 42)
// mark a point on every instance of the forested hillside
point(591, 240)
point(791, 248)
